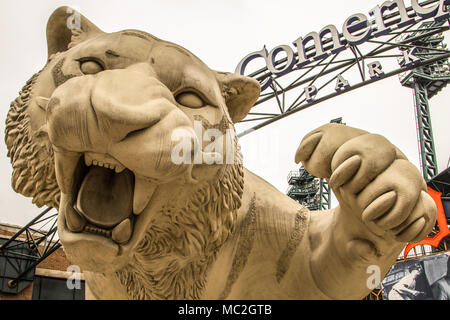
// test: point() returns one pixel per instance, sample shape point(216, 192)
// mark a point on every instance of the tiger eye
point(90, 67)
point(190, 99)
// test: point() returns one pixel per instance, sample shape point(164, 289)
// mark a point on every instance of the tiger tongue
point(105, 197)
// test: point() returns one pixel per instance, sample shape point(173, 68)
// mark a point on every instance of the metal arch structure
point(20, 254)
point(288, 93)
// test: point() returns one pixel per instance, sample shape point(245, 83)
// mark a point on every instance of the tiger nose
point(126, 101)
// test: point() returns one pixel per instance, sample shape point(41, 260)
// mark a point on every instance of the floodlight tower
point(304, 187)
point(426, 82)
point(312, 192)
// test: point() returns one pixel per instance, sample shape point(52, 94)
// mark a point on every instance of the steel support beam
point(424, 131)
point(22, 252)
point(335, 94)
point(325, 195)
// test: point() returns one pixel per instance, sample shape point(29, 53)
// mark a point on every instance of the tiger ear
point(240, 94)
point(66, 28)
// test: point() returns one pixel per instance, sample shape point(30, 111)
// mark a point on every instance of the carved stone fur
point(31, 153)
point(172, 260)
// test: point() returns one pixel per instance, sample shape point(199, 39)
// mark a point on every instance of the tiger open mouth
point(104, 197)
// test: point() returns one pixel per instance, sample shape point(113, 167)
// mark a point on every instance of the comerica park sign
point(356, 30)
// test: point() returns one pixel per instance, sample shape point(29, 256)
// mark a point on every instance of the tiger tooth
point(74, 221)
point(65, 165)
point(143, 191)
point(119, 168)
point(122, 232)
point(87, 160)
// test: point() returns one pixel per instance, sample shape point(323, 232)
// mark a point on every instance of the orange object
point(442, 223)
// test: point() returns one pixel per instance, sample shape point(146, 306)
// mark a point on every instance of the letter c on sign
point(240, 69)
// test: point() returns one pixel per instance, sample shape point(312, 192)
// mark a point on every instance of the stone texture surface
point(107, 132)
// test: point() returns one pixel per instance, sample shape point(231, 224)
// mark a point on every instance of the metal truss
point(310, 191)
point(425, 132)
point(20, 254)
point(286, 95)
point(426, 83)
point(325, 195)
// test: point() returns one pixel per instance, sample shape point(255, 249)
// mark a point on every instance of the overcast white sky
point(220, 33)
